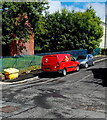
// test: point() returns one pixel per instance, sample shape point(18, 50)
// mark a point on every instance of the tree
point(19, 19)
point(58, 26)
point(63, 30)
point(88, 30)
point(71, 30)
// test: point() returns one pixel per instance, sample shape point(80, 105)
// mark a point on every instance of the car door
point(90, 59)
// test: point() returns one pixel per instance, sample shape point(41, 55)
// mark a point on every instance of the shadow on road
point(100, 73)
point(42, 99)
point(53, 74)
point(48, 75)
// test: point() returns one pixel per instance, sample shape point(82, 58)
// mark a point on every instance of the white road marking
point(81, 79)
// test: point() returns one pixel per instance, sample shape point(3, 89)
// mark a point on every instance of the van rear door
point(49, 63)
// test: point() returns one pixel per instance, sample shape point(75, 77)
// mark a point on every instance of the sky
point(79, 5)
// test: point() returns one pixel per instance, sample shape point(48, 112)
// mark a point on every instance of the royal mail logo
point(66, 58)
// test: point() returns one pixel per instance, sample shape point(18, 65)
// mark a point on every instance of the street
point(76, 95)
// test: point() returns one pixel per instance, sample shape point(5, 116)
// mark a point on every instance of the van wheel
point(77, 68)
point(64, 72)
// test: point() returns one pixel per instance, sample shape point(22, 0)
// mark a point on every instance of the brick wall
point(20, 48)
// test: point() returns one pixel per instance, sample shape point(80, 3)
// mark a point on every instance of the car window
point(90, 56)
point(81, 57)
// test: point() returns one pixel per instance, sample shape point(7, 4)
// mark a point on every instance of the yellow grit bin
point(11, 73)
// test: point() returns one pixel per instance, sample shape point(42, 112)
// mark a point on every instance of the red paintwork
point(56, 62)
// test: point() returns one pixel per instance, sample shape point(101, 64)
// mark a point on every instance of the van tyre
point(64, 72)
point(77, 68)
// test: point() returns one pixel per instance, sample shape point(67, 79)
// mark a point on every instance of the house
point(103, 43)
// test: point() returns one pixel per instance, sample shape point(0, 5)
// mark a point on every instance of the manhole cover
point(91, 109)
point(8, 109)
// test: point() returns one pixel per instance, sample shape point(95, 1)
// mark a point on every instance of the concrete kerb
point(21, 81)
point(36, 77)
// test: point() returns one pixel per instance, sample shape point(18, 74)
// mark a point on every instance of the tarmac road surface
point(77, 95)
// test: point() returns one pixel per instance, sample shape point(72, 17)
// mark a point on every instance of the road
point(77, 95)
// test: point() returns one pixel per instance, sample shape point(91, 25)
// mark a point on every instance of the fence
point(20, 62)
point(75, 53)
point(96, 51)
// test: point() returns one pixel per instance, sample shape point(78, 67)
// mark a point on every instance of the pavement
point(34, 74)
point(100, 58)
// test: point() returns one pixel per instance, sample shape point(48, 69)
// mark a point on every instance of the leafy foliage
point(19, 19)
point(71, 30)
point(59, 31)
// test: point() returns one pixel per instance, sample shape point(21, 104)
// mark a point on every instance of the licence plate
point(47, 69)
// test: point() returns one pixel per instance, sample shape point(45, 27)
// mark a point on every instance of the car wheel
point(93, 63)
point(86, 65)
point(64, 72)
point(77, 68)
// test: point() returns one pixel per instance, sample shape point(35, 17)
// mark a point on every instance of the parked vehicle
point(61, 63)
point(85, 60)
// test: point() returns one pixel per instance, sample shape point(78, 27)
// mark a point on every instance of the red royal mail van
point(61, 63)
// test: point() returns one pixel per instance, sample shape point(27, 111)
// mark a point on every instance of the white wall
point(103, 37)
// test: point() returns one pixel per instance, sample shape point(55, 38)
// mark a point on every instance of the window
point(72, 58)
point(81, 57)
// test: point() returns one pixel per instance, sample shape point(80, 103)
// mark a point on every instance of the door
point(90, 59)
point(72, 64)
point(49, 63)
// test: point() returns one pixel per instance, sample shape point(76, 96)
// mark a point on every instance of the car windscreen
point(81, 57)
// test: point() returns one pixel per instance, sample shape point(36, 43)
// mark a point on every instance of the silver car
point(85, 60)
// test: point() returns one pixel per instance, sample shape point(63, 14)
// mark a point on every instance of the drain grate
point(8, 109)
point(91, 109)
